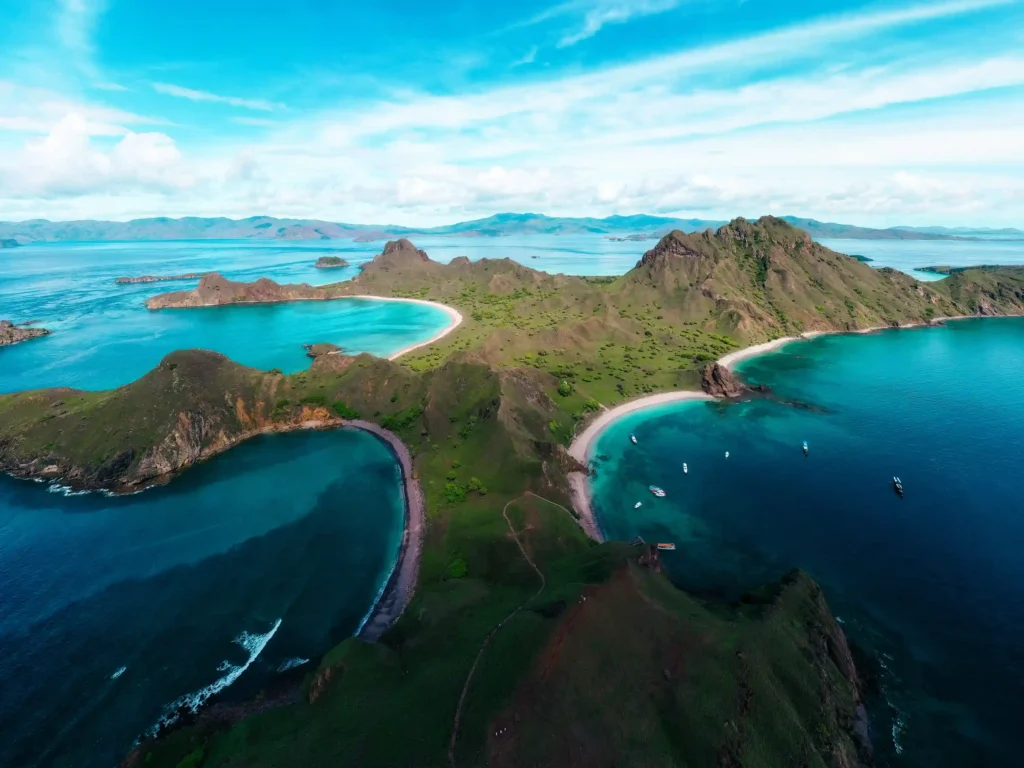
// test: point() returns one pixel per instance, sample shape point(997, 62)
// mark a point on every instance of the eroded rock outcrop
point(718, 381)
point(214, 290)
point(13, 334)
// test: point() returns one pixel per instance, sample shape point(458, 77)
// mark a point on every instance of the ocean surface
point(931, 585)
point(908, 255)
point(115, 610)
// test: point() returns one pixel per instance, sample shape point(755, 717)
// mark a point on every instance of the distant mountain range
point(636, 227)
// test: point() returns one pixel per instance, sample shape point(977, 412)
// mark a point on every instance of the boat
point(667, 547)
point(638, 505)
point(897, 485)
point(685, 468)
point(632, 438)
point(727, 454)
point(657, 491)
point(806, 449)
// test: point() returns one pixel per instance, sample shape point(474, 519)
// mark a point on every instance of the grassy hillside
point(603, 663)
point(638, 672)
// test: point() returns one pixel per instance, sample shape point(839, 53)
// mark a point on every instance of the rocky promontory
point(13, 334)
point(9, 242)
point(319, 350)
point(330, 262)
point(214, 290)
point(718, 381)
point(160, 278)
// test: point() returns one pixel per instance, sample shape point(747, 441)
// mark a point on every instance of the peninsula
point(13, 334)
point(497, 636)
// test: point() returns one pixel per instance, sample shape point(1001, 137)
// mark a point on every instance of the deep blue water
point(268, 554)
point(932, 586)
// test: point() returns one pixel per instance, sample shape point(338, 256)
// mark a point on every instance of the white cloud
point(194, 95)
point(527, 58)
point(75, 22)
point(67, 162)
point(603, 13)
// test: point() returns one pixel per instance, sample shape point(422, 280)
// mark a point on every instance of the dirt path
point(498, 626)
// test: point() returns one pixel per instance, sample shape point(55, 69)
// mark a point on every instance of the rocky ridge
point(13, 334)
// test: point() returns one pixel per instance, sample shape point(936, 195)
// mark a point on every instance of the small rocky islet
point(330, 262)
point(15, 334)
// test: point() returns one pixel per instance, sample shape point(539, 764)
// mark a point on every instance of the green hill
point(638, 672)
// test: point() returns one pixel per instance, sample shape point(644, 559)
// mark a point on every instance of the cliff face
point(718, 381)
point(12, 334)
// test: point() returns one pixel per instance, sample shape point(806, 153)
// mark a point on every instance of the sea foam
point(252, 643)
point(292, 664)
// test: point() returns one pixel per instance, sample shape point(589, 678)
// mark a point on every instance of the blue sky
point(877, 113)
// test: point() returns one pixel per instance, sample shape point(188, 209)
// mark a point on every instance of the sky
point(414, 113)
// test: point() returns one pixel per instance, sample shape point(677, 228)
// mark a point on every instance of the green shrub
point(454, 493)
point(565, 389)
point(344, 411)
point(315, 400)
point(591, 405)
point(476, 485)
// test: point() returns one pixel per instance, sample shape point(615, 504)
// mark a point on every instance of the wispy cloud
point(598, 15)
point(191, 94)
point(527, 58)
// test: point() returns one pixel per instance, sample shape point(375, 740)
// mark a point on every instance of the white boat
point(657, 491)
point(727, 454)
point(638, 505)
point(667, 547)
point(685, 468)
point(806, 449)
point(632, 438)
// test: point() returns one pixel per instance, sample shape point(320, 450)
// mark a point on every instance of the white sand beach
point(579, 485)
point(453, 314)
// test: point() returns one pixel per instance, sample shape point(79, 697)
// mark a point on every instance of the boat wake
point(191, 702)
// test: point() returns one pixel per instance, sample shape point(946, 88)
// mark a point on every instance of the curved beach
point(579, 487)
point(401, 584)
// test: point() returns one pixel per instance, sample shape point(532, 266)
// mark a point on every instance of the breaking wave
point(292, 664)
point(191, 702)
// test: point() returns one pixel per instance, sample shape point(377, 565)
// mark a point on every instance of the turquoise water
point(103, 336)
point(260, 559)
point(932, 585)
point(906, 255)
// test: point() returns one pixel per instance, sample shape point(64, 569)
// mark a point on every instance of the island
point(8, 242)
point(330, 262)
point(159, 279)
point(946, 270)
point(14, 334)
point(514, 632)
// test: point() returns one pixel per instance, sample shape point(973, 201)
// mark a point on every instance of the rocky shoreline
point(15, 334)
point(160, 278)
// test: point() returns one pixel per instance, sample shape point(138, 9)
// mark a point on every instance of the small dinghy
point(806, 449)
point(638, 505)
point(685, 468)
point(667, 547)
point(632, 438)
point(897, 485)
point(657, 492)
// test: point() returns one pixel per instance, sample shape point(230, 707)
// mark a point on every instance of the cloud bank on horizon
point(877, 113)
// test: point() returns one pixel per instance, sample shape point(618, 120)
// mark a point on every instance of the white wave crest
point(67, 490)
point(252, 643)
point(292, 664)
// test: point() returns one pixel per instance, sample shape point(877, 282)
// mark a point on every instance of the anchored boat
point(806, 449)
point(638, 505)
point(667, 547)
point(727, 454)
point(657, 491)
point(685, 468)
point(897, 485)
